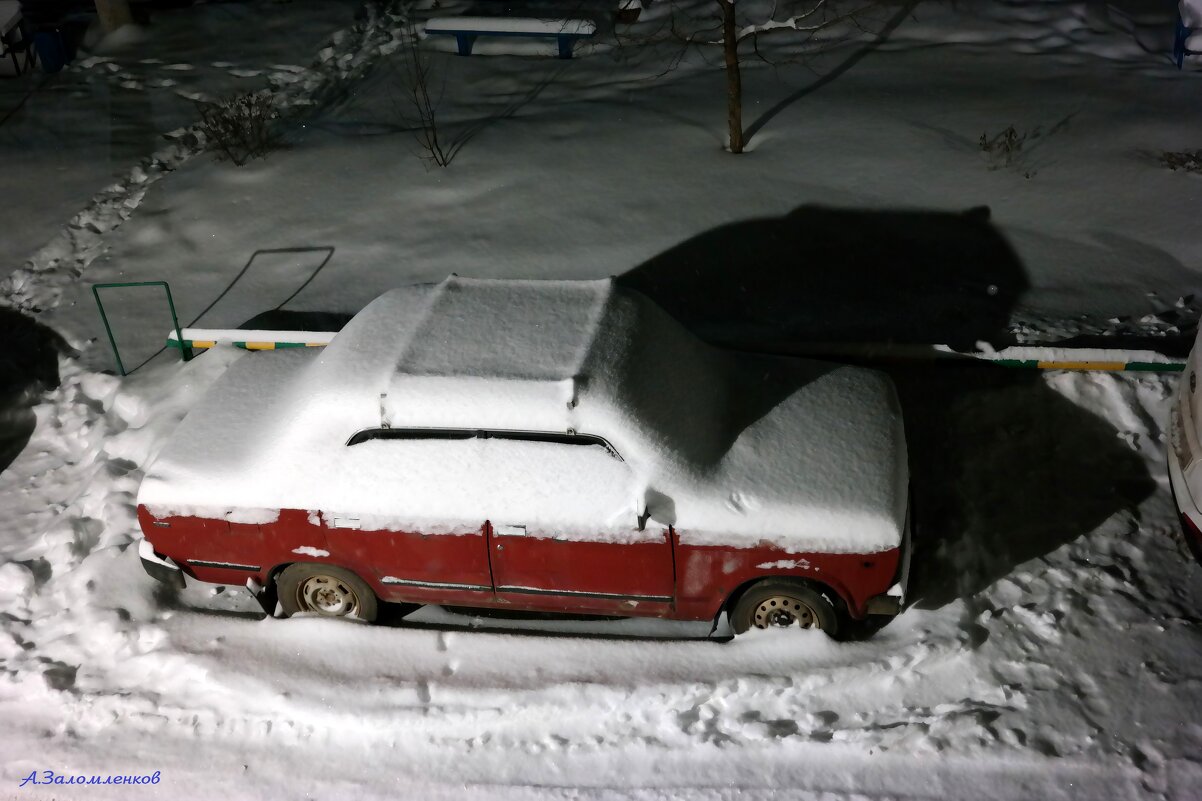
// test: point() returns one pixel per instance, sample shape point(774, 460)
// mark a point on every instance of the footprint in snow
point(179, 67)
point(244, 73)
point(741, 503)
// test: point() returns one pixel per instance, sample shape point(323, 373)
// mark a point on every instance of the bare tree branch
point(813, 24)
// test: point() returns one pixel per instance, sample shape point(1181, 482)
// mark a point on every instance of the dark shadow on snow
point(28, 367)
point(508, 622)
point(1003, 468)
point(836, 275)
point(284, 320)
point(843, 66)
point(326, 249)
point(277, 318)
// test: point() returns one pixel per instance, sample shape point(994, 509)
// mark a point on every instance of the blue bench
point(466, 29)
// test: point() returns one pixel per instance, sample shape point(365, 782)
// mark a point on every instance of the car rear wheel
point(327, 591)
point(784, 604)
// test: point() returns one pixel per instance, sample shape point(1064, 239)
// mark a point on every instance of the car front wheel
point(327, 591)
point(784, 604)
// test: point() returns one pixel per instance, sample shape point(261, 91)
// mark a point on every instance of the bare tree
point(740, 26)
point(420, 103)
point(422, 83)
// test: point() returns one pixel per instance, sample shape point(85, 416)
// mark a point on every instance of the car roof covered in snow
point(521, 330)
point(523, 355)
point(485, 353)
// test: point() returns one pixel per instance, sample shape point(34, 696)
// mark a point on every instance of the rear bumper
point(892, 601)
point(161, 568)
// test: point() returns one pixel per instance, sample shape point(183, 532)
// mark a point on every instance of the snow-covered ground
point(1053, 647)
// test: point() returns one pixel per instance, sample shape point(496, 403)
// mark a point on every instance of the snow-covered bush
point(1190, 161)
point(241, 128)
point(1005, 148)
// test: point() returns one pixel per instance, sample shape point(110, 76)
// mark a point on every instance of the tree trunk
point(113, 14)
point(734, 79)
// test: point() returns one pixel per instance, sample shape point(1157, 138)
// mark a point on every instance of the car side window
point(581, 440)
point(547, 488)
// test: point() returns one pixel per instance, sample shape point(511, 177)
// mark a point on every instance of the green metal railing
point(108, 329)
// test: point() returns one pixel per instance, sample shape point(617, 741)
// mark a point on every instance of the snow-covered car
point(1185, 466)
point(539, 445)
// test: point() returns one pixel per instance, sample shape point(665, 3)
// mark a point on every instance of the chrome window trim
point(435, 432)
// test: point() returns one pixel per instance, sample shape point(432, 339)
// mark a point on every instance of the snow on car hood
point(824, 470)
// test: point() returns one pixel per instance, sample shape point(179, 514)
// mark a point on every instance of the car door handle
point(511, 530)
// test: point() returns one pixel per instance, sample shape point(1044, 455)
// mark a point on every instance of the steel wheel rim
point(327, 595)
point(783, 611)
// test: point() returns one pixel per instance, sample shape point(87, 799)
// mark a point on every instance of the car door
point(569, 538)
point(416, 565)
point(406, 516)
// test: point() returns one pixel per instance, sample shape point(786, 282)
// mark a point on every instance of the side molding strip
point(580, 594)
point(434, 585)
point(226, 565)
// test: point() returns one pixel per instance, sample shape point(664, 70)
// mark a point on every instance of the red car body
point(665, 579)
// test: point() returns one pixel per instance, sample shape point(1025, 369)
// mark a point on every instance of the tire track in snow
point(603, 712)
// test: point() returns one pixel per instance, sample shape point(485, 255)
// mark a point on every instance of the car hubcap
point(781, 611)
point(327, 595)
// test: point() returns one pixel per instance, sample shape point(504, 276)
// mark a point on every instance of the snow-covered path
point(349, 54)
point(83, 128)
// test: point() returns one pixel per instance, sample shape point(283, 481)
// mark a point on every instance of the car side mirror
point(641, 512)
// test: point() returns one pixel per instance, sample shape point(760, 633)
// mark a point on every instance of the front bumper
point(1188, 514)
point(161, 568)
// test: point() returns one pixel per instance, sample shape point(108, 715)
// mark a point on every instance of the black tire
point(780, 602)
point(325, 590)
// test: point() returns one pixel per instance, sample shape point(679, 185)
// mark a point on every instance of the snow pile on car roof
point(525, 355)
point(734, 449)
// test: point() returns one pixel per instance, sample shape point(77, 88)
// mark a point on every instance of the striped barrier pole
point(1022, 356)
point(203, 338)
